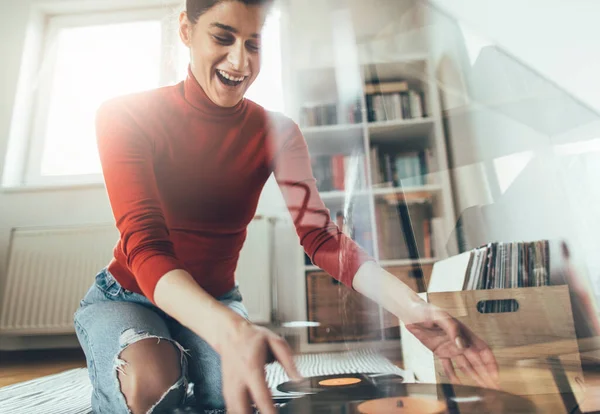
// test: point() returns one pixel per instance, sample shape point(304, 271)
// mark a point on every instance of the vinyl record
point(312, 385)
point(410, 399)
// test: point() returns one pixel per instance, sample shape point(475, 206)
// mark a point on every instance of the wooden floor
point(21, 366)
point(25, 365)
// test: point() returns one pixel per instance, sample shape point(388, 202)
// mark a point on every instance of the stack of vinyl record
point(508, 265)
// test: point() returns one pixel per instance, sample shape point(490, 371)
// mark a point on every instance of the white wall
point(53, 206)
point(554, 196)
point(557, 38)
point(24, 208)
point(34, 207)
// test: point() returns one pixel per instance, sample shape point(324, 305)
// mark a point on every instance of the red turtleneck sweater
point(184, 176)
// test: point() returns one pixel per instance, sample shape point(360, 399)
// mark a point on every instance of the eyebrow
point(231, 29)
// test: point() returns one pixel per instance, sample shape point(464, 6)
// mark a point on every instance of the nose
point(238, 57)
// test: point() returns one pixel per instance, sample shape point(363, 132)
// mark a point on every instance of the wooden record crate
point(535, 345)
point(345, 315)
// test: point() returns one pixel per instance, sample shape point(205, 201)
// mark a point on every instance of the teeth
point(231, 78)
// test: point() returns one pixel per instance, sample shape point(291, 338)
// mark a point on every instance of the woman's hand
point(244, 352)
point(450, 340)
point(453, 343)
point(244, 348)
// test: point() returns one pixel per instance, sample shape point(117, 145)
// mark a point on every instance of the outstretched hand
point(244, 355)
point(454, 344)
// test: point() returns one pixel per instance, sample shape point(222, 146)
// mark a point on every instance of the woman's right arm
point(126, 155)
point(244, 347)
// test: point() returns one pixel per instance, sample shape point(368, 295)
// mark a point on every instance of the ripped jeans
point(111, 318)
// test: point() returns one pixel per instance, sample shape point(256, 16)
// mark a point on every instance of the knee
point(147, 370)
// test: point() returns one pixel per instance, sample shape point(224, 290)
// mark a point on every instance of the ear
point(185, 29)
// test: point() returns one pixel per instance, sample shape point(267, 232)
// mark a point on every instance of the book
point(390, 104)
point(404, 230)
point(496, 265)
point(338, 172)
point(385, 87)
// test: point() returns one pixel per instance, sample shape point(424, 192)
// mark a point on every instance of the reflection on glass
point(465, 150)
point(467, 175)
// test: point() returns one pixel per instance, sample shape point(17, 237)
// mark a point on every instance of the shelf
point(402, 129)
point(412, 68)
point(391, 194)
point(429, 189)
point(327, 131)
point(395, 59)
point(409, 194)
point(319, 78)
point(407, 262)
point(407, 190)
point(339, 195)
point(332, 195)
point(386, 263)
point(331, 139)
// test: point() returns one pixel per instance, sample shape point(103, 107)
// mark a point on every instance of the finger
point(449, 370)
point(235, 394)
point(452, 329)
point(482, 370)
point(465, 366)
point(260, 391)
point(488, 358)
point(283, 353)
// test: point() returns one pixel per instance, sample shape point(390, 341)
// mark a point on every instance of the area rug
point(69, 392)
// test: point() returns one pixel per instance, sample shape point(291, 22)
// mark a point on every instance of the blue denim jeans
point(111, 318)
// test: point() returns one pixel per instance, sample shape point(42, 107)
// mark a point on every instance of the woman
point(184, 167)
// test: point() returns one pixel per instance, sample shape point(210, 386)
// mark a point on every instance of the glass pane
point(94, 64)
point(482, 174)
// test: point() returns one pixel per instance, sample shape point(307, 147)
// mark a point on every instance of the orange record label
point(402, 405)
point(338, 382)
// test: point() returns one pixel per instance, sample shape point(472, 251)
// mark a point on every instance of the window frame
point(24, 162)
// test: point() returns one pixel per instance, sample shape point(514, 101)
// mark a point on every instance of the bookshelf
point(374, 130)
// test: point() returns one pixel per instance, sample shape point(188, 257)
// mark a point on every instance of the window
point(267, 89)
point(93, 63)
point(87, 59)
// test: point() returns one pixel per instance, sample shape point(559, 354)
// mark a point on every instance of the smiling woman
point(184, 168)
point(224, 45)
point(134, 48)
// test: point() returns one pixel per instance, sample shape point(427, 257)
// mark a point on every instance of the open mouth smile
point(228, 79)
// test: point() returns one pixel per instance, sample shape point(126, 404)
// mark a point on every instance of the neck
point(197, 97)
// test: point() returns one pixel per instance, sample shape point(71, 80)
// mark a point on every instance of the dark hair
point(196, 8)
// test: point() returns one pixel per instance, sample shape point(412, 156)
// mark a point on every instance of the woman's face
point(225, 49)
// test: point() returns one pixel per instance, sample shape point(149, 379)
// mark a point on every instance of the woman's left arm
point(450, 340)
point(343, 259)
point(323, 241)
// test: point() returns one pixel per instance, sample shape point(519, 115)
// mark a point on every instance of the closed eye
point(253, 46)
point(222, 40)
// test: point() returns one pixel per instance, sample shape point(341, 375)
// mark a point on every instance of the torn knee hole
point(148, 373)
point(131, 336)
point(119, 365)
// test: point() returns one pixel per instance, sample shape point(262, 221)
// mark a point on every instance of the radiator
point(50, 269)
